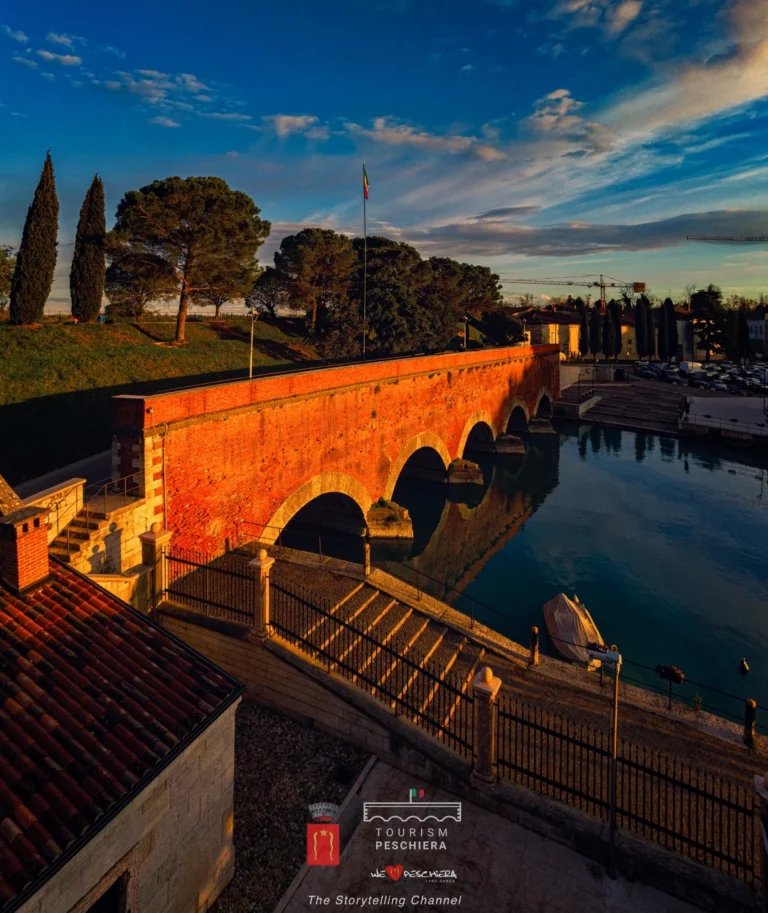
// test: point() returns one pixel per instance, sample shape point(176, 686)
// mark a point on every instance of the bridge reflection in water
point(457, 531)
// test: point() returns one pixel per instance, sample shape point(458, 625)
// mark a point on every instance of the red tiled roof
point(94, 701)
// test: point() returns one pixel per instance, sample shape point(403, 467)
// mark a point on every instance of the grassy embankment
point(56, 381)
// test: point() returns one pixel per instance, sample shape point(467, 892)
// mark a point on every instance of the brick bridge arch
point(216, 458)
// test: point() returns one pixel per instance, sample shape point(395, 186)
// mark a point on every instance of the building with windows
point(116, 745)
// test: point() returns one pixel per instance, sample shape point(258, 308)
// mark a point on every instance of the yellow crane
point(600, 283)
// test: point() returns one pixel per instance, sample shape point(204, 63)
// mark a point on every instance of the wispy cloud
point(507, 212)
point(115, 52)
point(66, 60)
point(305, 124)
point(164, 122)
point(556, 113)
point(14, 34)
point(26, 62)
point(49, 76)
point(396, 133)
point(68, 41)
point(226, 115)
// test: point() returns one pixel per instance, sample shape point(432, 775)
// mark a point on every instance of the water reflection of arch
point(466, 537)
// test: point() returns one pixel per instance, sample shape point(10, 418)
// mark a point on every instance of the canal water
point(666, 543)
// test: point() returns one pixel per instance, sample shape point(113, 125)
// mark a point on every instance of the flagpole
point(365, 259)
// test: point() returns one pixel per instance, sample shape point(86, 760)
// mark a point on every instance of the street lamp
point(253, 315)
point(613, 658)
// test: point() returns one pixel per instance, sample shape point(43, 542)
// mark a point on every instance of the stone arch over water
point(479, 426)
point(425, 440)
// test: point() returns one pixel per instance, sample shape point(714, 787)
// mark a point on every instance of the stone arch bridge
point(216, 459)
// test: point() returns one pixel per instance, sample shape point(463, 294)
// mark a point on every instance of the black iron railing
point(395, 675)
point(671, 802)
point(217, 587)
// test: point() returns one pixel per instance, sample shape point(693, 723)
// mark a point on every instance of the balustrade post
point(485, 688)
point(154, 552)
point(366, 553)
point(261, 628)
point(761, 788)
point(534, 660)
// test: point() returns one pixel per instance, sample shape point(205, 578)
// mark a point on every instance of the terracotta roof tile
point(94, 699)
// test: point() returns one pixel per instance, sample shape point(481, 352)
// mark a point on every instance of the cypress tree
point(609, 336)
point(86, 278)
point(583, 329)
point(672, 338)
point(596, 332)
point(36, 260)
point(615, 314)
point(663, 334)
point(651, 333)
point(641, 327)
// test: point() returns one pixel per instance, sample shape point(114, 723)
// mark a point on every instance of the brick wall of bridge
point(259, 450)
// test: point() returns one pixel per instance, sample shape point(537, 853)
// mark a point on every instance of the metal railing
point(665, 800)
point(758, 429)
point(105, 496)
point(218, 587)
point(386, 668)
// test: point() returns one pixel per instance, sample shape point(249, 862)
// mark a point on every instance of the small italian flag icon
point(416, 794)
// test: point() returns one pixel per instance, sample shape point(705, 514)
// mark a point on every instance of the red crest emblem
point(323, 844)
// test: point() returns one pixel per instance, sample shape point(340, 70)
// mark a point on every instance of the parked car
point(718, 385)
point(645, 373)
point(699, 379)
point(670, 375)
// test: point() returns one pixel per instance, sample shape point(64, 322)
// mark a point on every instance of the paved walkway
point(499, 866)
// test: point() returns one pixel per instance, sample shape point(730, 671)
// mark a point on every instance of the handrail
point(731, 424)
point(126, 487)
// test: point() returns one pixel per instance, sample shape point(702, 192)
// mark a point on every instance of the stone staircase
point(638, 406)
point(391, 650)
point(77, 536)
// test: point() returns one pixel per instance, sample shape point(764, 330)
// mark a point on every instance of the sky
point(544, 138)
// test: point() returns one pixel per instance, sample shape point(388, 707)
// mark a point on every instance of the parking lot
point(712, 377)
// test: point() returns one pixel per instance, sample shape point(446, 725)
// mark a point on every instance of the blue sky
point(547, 138)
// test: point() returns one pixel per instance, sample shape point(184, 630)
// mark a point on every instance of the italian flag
point(366, 185)
point(417, 794)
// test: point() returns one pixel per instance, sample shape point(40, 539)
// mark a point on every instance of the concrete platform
point(482, 863)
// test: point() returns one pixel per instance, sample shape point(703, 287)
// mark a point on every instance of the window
point(112, 900)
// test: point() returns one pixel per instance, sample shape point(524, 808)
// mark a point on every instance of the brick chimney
point(24, 548)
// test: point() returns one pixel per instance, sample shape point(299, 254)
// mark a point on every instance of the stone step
point(343, 642)
point(418, 683)
point(370, 659)
point(60, 553)
point(61, 543)
point(463, 671)
point(323, 630)
point(394, 673)
point(435, 704)
point(80, 522)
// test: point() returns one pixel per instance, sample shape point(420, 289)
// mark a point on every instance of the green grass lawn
point(56, 381)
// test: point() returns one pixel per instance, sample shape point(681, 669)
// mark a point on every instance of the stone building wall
point(174, 840)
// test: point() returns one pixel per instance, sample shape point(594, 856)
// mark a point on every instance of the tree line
point(196, 240)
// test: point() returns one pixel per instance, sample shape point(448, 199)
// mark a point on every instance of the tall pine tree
point(663, 334)
point(36, 260)
point(641, 327)
point(609, 336)
point(583, 329)
point(86, 278)
point(596, 331)
point(672, 338)
point(614, 310)
point(651, 332)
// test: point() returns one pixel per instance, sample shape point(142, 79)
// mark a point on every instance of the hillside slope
point(56, 381)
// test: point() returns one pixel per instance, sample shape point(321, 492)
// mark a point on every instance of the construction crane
point(602, 284)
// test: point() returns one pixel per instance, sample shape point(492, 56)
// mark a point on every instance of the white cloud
point(67, 40)
point(395, 133)
point(467, 68)
point(164, 122)
point(115, 52)
point(191, 83)
point(152, 74)
point(26, 62)
point(49, 76)
point(306, 124)
point(66, 60)
point(556, 113)
point(15, 35)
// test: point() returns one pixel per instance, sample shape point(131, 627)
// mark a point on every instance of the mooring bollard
point(750, 713)
point(534, 660)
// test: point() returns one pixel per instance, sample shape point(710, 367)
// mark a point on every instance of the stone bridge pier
point(241, 460)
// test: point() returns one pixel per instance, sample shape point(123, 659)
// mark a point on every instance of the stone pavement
point(499, 866)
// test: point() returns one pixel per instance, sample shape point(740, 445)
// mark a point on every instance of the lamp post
point(252, 315)
point(613, 658)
